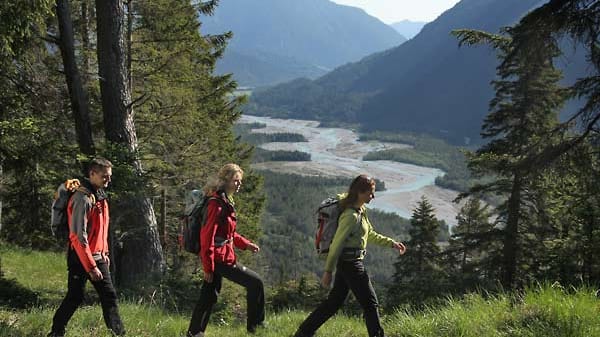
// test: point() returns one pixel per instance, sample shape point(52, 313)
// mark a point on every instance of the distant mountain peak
point(315, 34)
point(408, 28)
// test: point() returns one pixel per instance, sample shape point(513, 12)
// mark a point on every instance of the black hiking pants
point(255, 297)
point(76, 286)
point(350, 275)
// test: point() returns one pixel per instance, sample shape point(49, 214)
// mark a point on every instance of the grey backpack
point(59, 223)
point(328, 214)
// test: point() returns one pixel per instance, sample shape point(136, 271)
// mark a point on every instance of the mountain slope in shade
point(408, 28)
point(298, 38)
point(428, 84)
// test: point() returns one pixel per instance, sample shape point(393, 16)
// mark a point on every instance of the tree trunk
point(141, 253)
point(588, 249)
point(129, 40)
point(463, 263)
point(86, 17)
point(1, 182)
point(163, 220)
point(511, 234)
point(77, 94)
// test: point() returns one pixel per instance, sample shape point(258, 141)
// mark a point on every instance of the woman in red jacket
point(218, 238)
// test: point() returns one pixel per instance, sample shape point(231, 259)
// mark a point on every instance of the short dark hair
point(99, 163)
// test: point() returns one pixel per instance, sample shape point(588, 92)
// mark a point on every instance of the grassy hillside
point(40, 279)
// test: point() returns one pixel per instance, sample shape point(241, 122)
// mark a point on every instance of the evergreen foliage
point(261, 155)
point(522, 117)
point(34, 140)
point(418, 275)
point(261, 138)
point(473, 252)
point(183, 117)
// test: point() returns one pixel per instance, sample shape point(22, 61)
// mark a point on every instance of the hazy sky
point(390, 11)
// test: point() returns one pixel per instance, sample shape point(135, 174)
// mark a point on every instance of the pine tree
point(419, 276)
point(177, 93)
point(520, 125)
point(572, 255)
point(473, 252)
point(31, 122)
point(578, 20)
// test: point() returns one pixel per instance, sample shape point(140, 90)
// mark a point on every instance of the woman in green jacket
point(346, 253)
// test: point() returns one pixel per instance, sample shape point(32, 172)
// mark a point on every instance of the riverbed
point(337, 152)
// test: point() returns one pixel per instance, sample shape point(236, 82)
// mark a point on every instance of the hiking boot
point(199, 334)
point(300, 333)
point(261, 325)
point(55, 334)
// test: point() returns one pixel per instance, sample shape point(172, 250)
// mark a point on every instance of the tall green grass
point(544, 311)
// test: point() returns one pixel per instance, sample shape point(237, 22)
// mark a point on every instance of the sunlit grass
point(544, 311)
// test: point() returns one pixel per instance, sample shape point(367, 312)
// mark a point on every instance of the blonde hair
point(224, 175)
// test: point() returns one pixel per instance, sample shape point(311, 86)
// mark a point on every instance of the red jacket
point(88, 226)
point(220, 224)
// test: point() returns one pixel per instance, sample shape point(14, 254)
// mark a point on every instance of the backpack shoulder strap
point(88, 193)
point(223, 214)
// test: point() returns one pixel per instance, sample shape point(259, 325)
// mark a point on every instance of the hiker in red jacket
point(218, 238)
point(87, 258)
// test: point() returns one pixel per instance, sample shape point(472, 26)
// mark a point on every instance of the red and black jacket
point(218, 235)
point(88, 225)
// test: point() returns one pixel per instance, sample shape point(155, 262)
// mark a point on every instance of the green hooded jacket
point(351, 234)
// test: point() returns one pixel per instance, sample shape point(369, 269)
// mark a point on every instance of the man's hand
point(253, 247)
point(400, 247)
point(326, 279)
point(95, 274)
point(208, 277)
point(106, 260)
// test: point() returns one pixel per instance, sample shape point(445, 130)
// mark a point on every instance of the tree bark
point(77, 93)
point(86, 17)
point(1, 178)
point(141, 253)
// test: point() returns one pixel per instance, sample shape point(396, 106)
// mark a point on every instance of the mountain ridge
point(427, 84)
point(317, 35)
point(408, 28)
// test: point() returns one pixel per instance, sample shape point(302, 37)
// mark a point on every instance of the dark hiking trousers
point(255, 296)
point(350, 275)
point(76, 286)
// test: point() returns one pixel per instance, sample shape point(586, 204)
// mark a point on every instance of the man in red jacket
point(87, 257)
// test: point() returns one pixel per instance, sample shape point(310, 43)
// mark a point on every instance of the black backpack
point(59, 222)
point(194, 218)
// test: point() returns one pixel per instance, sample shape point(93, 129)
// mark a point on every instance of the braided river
point(337, 152)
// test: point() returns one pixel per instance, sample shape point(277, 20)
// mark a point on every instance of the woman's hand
point(253, 247)
point(400, 247)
